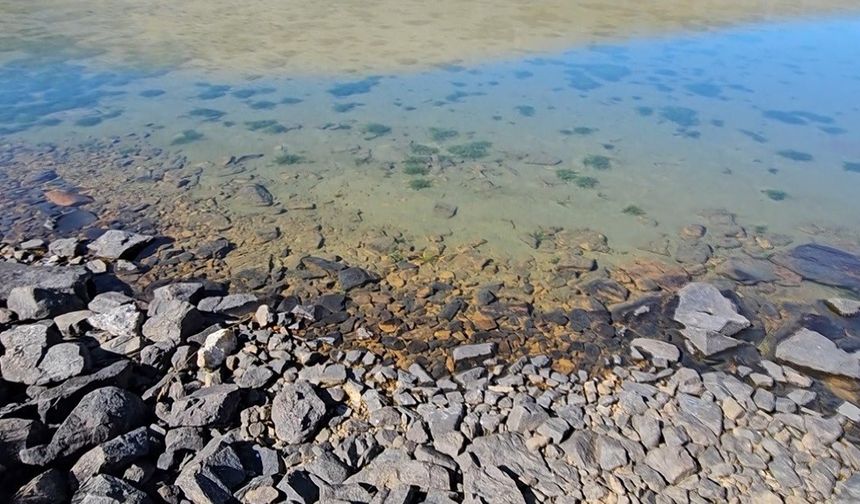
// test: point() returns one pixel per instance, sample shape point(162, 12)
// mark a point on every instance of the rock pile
point(200, 396)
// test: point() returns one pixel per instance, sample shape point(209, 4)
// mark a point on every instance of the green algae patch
point(794, 155)
point(419, 184)
point(597, 161)
point(775, 194)
point(633, 210)
point(286, 159)
point(266, 126)
point(186, 137)
point(443, 134)
point(471, 150)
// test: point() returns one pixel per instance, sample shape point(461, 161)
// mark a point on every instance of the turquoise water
point(633, 139)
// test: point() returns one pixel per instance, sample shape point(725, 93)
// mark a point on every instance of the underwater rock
point(824, 265)
point(709, 318)
point(813, 350)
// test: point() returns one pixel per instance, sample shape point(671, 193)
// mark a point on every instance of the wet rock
point(297, 412)
point(209, 406)
point(116, 244)
point(350, 278)
point(254, 195)
point(824, 265)
point(709, 318)
point(748, 271)
point(101, 415)
point(48, 487)
point(106, 489)
point(812, 350)
point(693, 253)
point(66, 198)
point(216, 348)
point(24, 346)
point(843, 307)
point(444, 210)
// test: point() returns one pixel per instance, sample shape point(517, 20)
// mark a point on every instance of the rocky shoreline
point(182, 391)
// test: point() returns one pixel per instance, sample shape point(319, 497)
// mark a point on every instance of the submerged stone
point(824, 265)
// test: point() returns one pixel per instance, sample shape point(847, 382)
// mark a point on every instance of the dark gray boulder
point(106, 489)
point(209, 406)
point(113, 456)
point(48, 487)
point(101, 415)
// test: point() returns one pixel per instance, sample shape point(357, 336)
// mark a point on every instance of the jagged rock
point(17, 434)
point(709, 318)
point(213, 474)
point(350, 278)
point(65, 247)
point(61, 362)
point(508, 451)
point(108, 301)
point(116, 244)
point(297, 412)
point(216, 348)
point(114, 455)
point(73, 323)
point(491, 484)
point(48, 487)
point(33, 303)
point(672, 462)
point(54, 403)
point(172, 321)
point(101, 415)
point(706, 412)
point(106, 489)
point(123, 320)
point(24, 346)
point(208, 406)
point(812, 350)
point(526, 417)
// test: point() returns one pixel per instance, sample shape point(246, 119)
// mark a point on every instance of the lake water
point(400, 126)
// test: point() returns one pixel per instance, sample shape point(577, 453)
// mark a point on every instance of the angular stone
point(108, 301)
point(526, 417)
point(707, 412)
point(350, 278)
point(33, 303)
point(65, 247)
point(121, 321)
point(236, 305)
point(17, 434)
point(709, 318)
point(116, 244)
point(47, 488)
point(67, 280)
point(216, 348)
point(811, 350)
point(100, 415)
point(473, 352)
point(24, 346)
point(672, 462)
point(297, 412)
point(657, 349)
point(843, 307)
point(394, 468)
point(106, 489)
point(209, 406)
point(61, 362)
point(173, 321)
point(114, 455)
point(823, 264)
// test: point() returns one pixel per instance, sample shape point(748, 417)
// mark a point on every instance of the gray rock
point(61, 362)
point(610, 453)
point(351, 278)
point(101, 415)
point(73, 323)
point(65, 247)
point(843, 307)
point(24, 346)
point(441, 420)
point(174, 321)
point(709, 318)
point(189, 292)
point(121, 321)
point(108, 301)
point(748, 271)
point(255, 377)
point(297, 412)
point(69, 281)
point(17, 434)
point(672, 462)
point(106, 489)
point(508, 451)
point(217, 346)
point(116, 244)
point(490, 484)
point(472, 352)
point(254, 195)
point(656, 349)
point(823, 264)
point(114, 455)
point(706, 412)
point(33, 303)
point(526, 417)
point(812, 350)
point(555, 429)
point(46, 488)
point(394, 468)
point(209, 406)
point(236, 305)
point(328, 467)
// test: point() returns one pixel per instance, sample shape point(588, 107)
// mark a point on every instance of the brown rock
point(66, 198)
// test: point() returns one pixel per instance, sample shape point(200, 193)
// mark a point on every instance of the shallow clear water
point(633, 137)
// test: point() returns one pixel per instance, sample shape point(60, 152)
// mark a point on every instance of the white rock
point(216, 348)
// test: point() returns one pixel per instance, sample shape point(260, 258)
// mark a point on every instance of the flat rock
point(813, 350)
point(48, 487)
point(351, 278)
point(117, 244)
point(297, 412)
point(472, 352)
point(114, 455)
point(121, 321)
point(843, 307)
point(63, 361)
point(67, 280)
point(106, 489)
point(709, 318)
point(174, 320)
point(823, 264)
point(235, 305)
point(394, 468)
point(657, 349)
point(672, 462)
point(748, 271)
